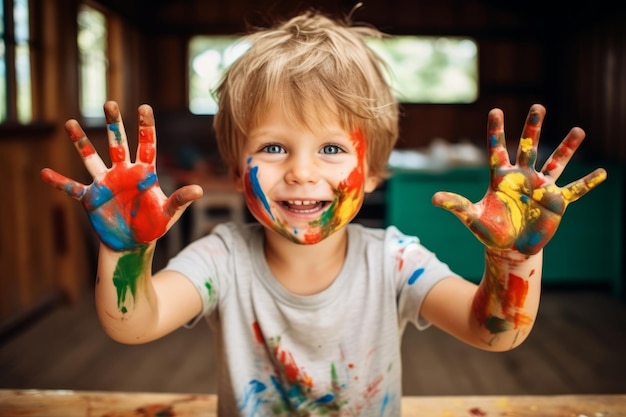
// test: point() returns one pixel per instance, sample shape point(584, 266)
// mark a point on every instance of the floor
point(578, 345)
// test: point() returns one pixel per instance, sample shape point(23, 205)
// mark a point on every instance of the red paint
point(62, 183)
point(355, 179)
point(147, 148)
point(85, 148)
point(373, 387)
point(312, 236)
point(142, 210)
point(118, 153)
point(258, 334)
point(517, 291)
point(477, 412)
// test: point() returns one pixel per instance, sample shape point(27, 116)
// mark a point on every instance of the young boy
point(308, 309)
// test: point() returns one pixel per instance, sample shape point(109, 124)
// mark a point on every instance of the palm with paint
point(125, 204)
point(523, 207)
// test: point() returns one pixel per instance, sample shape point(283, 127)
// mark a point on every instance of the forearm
point(125, 296)
point(506, 302)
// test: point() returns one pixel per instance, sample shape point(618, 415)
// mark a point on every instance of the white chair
point(219, 203)
point(215, 206)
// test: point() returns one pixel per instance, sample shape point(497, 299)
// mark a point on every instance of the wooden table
point(42, 403)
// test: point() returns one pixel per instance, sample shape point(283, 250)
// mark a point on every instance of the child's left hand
point(522, 207)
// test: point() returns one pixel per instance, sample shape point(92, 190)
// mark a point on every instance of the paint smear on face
point(348, 200)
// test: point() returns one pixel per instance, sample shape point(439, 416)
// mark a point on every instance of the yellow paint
point(347, 208)
point(533, 214)
point(495, 160)
point(597, 179)
point(538, 194)
point(526, 145)
point(510, 190)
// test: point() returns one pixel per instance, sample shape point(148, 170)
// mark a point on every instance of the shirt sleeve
point(206, 262)
point(416, 270)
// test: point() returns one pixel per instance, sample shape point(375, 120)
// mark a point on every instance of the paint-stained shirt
point(334, 353)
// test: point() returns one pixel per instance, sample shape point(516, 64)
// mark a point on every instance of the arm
point(516, 218)
point(129, 212)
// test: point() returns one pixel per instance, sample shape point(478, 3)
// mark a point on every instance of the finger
point(118, 143)
point(62, 183)
point(496, 142)
point(146, 148)
point(527, 149)
point(181, 198)
point(574, 190)
point(85, 148)
point(455, 203)
point(556, 163)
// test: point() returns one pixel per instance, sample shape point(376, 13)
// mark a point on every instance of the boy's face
point(304, 184)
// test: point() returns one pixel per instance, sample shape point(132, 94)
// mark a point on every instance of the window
point(426, 69)
point(92, 50)
point(15, 72)
point(422, 69)
point(209, 57)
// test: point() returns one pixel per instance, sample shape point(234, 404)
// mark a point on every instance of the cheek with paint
point(348, 200)
point(349, 193)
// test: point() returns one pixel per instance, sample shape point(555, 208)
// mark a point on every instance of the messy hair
point(309, 65)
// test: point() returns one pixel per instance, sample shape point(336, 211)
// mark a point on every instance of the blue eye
point(331, 149)
point(273, 149)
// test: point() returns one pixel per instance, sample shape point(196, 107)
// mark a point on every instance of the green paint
point(127, 272)
point(333, 375)
point(209, 288)
point(498, 324)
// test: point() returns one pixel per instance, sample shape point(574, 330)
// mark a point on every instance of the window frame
point(12, 116)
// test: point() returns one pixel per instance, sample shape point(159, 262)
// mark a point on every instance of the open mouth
point(305, 206)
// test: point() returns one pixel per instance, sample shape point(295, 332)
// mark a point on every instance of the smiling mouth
point(305, 206)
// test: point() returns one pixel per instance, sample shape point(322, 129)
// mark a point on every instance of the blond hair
point(309, 65)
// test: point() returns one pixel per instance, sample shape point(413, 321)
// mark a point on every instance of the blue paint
point(325, 399)
point(528, 243)
point(115, 128)
point(415, 275)
point(114, 232)
point(148, 182)
point(384, 404)
point(534, 119)
point(494, 140)
point(96, 195)
point(258, 192)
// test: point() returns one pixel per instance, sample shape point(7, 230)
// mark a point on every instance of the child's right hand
point(125, 204)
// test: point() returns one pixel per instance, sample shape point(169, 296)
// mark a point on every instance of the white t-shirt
point(335, 353)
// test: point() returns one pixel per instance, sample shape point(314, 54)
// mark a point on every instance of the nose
point(302, 169)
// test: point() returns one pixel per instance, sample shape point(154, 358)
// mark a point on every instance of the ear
point(238, 180)
point(371, 182)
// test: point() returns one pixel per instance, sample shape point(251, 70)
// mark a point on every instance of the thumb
point(181, 199)
point(458, 205)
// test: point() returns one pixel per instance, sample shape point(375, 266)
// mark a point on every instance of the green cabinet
point(587, 248)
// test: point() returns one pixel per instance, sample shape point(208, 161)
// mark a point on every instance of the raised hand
point(522, 208)
point(125, 203)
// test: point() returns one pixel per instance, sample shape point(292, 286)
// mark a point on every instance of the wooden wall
point(572, 60)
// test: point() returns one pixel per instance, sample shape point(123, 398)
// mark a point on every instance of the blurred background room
point(451, 61)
